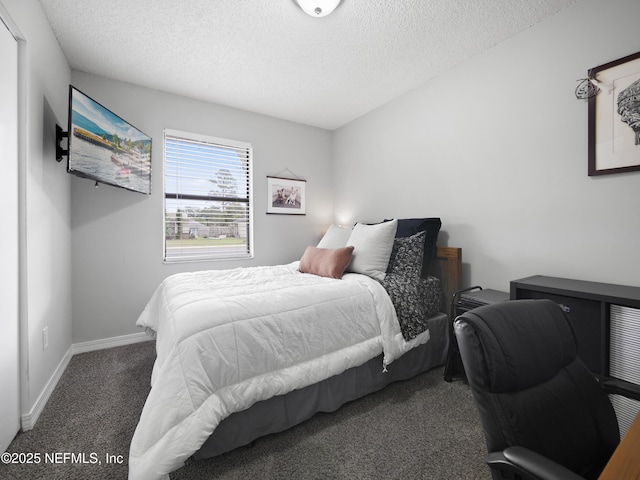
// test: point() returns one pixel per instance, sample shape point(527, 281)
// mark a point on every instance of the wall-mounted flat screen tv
point(105, 148)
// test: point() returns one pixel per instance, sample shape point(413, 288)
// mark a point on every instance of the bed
point(233, 364)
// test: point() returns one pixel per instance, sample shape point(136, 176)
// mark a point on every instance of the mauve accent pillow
point(326, 262)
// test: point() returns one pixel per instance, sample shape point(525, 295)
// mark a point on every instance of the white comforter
point(229, 338)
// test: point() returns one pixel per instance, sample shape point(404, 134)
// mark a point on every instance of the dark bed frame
point(285, 411)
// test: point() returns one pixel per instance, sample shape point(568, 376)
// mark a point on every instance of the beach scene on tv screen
point(105, 148)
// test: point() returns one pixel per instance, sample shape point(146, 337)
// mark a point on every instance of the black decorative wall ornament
point(586, 89)
point(589, 87)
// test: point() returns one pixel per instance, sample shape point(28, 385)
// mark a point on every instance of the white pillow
point(336, 237)
point(373, 245)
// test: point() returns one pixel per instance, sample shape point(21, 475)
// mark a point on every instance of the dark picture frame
point(286, 196)
point(614, 117)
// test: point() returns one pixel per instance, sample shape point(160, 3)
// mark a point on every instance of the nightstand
point(463, 301)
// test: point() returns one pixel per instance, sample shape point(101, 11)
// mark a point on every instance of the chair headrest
point(519, 343)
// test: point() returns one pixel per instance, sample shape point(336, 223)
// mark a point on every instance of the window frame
point(224, 143)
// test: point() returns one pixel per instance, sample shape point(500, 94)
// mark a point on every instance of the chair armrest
point(529, 464)
point(620, 387)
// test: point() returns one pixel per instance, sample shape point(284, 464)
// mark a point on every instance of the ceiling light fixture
point(318, 8)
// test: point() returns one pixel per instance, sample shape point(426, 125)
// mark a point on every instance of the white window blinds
point(207, 205)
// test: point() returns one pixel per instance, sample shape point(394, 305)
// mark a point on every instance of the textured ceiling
point(267, 56)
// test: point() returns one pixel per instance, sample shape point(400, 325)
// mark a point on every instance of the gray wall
point(497, 147)
point(44, 186)
point(117, 234)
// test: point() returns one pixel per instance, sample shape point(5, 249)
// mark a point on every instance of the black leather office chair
point(544, 414)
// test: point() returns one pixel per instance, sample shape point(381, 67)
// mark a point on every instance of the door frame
point(23, 358)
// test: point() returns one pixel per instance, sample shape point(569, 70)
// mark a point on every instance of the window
point(207, 198)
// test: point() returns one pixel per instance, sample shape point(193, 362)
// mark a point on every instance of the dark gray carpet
point(423, 428)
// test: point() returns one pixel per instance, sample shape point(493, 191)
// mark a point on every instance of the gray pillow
point(336, 237)
point(372, 248)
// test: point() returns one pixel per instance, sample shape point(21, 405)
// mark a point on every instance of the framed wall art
point(286, 196)
point(614, 117)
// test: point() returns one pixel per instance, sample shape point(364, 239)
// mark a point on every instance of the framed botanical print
point(614, 117)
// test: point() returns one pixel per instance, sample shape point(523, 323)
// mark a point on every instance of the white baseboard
point(92, 345)
point(29, 420)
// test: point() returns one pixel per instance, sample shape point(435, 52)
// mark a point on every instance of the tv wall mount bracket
point(61, 152)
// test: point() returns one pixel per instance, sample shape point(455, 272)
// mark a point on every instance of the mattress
point(285, 411)
point(227, 339)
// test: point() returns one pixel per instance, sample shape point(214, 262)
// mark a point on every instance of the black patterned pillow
point(433, 296)
point(415, 300)
point(431, 227)
point(407, 255)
